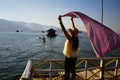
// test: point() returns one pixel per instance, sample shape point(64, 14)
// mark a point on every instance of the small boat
point(43, 39)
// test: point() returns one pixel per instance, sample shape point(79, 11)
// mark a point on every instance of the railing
point(86, 69)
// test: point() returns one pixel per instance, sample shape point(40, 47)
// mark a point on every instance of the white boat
point(43, 39)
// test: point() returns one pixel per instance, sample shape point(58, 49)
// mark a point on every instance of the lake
point(17, 47)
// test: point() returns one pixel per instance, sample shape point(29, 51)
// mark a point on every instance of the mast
point(102, 61)
point(102, 12)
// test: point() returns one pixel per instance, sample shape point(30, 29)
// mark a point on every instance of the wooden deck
point(86, 69)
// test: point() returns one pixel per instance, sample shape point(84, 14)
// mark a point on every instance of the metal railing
point(86, 69)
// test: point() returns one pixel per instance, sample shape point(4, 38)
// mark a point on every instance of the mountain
point(12, 26)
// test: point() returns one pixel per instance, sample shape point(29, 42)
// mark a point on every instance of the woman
point(71, 49)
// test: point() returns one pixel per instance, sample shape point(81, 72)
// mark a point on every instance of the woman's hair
point(75, 44)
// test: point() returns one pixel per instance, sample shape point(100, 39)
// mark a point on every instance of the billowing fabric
point(103, 39)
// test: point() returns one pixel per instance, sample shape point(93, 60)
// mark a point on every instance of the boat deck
point(86, 69)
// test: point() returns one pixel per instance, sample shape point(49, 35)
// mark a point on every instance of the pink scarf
point(103, 39)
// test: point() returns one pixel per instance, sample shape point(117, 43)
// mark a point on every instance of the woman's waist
point(70, 55)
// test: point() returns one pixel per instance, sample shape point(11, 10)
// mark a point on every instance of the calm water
point(17, 48)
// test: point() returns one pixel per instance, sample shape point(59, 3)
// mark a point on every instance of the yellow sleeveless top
point(68, 51)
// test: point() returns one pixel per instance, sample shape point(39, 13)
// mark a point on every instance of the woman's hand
point(59, 18)
point(71, 18)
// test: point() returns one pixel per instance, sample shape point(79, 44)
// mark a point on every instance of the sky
point(46, 12)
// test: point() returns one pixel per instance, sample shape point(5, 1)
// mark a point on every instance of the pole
point(102, 71)
point(102, 12)
point(102, 65)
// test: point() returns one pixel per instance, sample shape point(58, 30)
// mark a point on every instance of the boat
point(86, 69)
point(43, 39)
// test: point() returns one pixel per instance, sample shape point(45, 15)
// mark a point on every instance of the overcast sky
point(45, 12)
